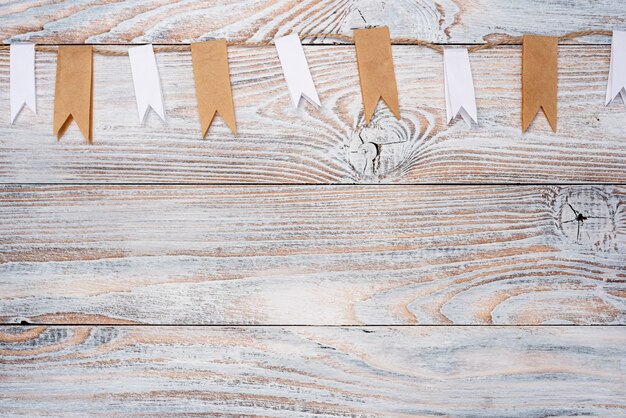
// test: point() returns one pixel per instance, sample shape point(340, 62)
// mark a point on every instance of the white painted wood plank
point(170, 21)
point(306, 371)
point(278, 144)
point(312, 255)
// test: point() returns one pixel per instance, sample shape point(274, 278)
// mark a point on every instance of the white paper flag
point(146, 80)
point(22, 74)
point(459, 85)
point(296, 69)
point(617, 69)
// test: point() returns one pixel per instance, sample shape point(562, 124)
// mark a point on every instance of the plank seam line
point(104, 324)
point(317, 44)
point(451, 184)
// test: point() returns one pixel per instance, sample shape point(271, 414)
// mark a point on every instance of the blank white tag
point(459, 85)
point(296, 70)
point(146, 80)
point(617, 69)
point(22, 75)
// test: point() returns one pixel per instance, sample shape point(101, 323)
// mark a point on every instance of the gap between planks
point(316, 185)
point(339, 43)
point(227, 325)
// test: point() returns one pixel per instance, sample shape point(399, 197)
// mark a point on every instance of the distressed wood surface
point(278, 144)
point(312, 255)
point(167, 21)
point(305, 371)
point(253, 260)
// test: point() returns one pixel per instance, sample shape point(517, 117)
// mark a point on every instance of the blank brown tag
point(210, 70)
point(376, 74)
point(539, 78)
point(73, 91)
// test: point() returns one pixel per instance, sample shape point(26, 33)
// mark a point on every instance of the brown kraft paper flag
point(73, 97)
point(210, 70)
point(539, 78)
point(376, 74)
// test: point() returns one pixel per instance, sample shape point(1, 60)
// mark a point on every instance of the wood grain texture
point(312, 255)
point(279, 144)
point(168, 21)
point(119, 256)
point(306, 371)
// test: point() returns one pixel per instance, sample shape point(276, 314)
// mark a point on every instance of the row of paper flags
point(74, 79)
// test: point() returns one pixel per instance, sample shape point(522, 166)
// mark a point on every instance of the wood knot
point(378, 150)
point(587, 218)
point(362, 155)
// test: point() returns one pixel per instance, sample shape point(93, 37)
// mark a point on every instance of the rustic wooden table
point(312, 265)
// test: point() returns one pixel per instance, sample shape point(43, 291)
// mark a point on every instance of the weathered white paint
point(279, 144)
point(469, 254)
point(306, 371)
point(312, 255)
point(171, 21)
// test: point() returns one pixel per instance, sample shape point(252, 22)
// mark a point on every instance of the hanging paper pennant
point(539, 78)
point(146, 81)
point(73, 95)
point(459, 85)
point(376, 74)
point(296, 70)
point(210, 70)
point(22, 76)
point(617, 68)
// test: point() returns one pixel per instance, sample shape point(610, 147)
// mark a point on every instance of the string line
point(509, 40)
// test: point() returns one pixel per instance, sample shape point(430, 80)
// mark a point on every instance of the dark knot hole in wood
point(587, 218)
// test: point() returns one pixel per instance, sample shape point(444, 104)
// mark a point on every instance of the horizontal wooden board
point(277, 144)
point(169, 21)
point(312, 255)
point(304, 371)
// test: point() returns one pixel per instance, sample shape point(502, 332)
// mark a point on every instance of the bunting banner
point(73, 90)
point(459, 86)
point(539, 78)
point(617, 69)
point(73, 98)
point(376, 74)
point(22, 78)
point(146, 81)
point(296, 70)
point(212, 77)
